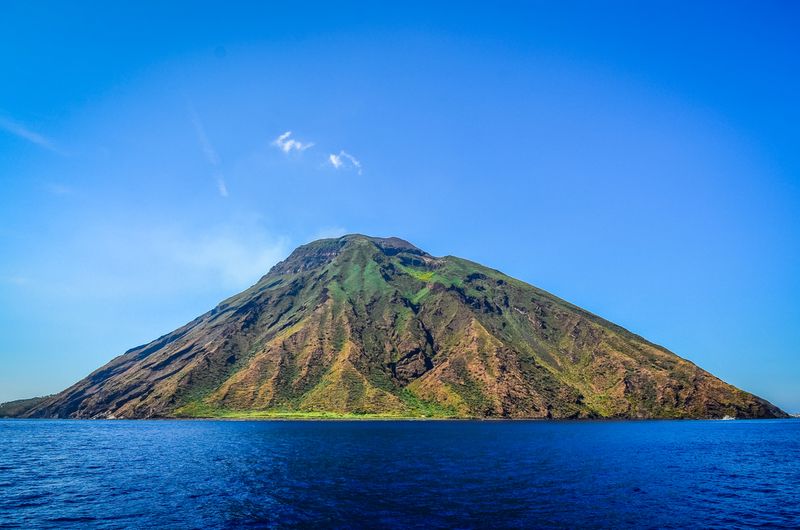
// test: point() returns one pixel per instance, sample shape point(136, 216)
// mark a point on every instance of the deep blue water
point(189, 474)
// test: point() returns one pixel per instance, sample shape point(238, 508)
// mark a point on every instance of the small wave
point(72, 519)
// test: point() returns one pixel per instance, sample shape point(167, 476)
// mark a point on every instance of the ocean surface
point(427, 474)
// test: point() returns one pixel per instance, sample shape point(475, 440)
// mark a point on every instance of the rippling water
point(188, 474)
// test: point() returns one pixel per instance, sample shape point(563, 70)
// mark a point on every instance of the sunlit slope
point(361, 326)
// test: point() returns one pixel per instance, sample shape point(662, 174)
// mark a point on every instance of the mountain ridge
point(365, 326)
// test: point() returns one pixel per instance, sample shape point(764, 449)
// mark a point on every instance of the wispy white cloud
point(335, 160)
point(344, 160)
point(235, 260)
point(209, 152)
point(156, 260)
point(21, 131)
point(287, 144)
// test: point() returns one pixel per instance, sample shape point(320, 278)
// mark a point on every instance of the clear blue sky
point(640, 159)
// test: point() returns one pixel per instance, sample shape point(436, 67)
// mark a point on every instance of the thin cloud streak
point(344, 160)
point(20, 131)
point(208, 151)
point(287, 145)
point(222, 188)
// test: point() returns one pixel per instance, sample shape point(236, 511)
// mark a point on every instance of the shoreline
point(323, 418)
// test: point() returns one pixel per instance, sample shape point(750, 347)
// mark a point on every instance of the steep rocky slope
point(361, 325)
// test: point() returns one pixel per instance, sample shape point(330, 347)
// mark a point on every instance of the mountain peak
point(322, 251)
point(384, 243)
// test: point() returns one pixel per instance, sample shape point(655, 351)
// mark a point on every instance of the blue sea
point(396, 474)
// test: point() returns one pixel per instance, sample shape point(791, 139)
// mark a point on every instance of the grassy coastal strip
point(201, 410)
